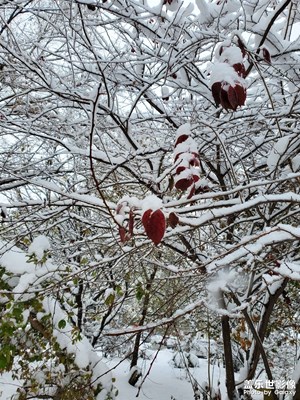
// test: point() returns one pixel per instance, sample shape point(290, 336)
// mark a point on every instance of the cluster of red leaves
point(155, 225)
point(227, 95)
point(187, 160)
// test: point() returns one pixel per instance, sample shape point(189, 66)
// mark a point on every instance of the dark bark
point(260, 347)
point(135, 354)
point(263, 327)
point(230, 382)
point(78, 299)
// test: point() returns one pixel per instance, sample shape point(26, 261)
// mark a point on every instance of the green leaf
point(3, 362)
point(110, 299)
point(62, 324)
point(139, 291)
point(17, 313)
point(119, 290)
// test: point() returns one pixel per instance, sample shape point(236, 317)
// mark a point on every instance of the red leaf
point(146, 217)
point(202, 189)
point(130, 223)
point(192, 192)
point(215, 89)
point(232, 98)
point(240, 69)
point(177, 156)
point(123, 234)
point(155, 225)
point(173, 220)
point(119, 207)
point(180, 169)
point(266, 55)
point(181, 139)
point(241, 94)
point(224, 99)
point(184, 184)
point(194, 162)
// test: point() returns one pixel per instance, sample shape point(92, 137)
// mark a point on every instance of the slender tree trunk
point(135, 353)
point(230, 382)
point(269, 307)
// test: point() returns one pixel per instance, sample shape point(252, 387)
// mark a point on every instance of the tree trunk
point(230, 383)
point(135, 353)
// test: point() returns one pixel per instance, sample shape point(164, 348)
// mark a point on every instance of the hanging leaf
point(171, 182)
point(3, 362)
point(194, 162)
point(192, 192)
point(184, 183)
point(241, 94)
point(216, 88)
point(155, 225)
point(109, 301)
point(181, 139)
point(240, 69)
point(140, 292)
point(266, 55)
point(131, 223)
point(232, 98)
point(146, 217)
point(224, 99)
point(180, 169)
point(61, 324)
point(123, 234)
point(173, 220)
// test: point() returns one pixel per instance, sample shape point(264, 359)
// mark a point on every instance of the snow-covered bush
point(156, 146)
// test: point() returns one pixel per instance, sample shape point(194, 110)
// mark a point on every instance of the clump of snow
point(222, 71)
point(222, 281)
point(165, 92)
point(273, 282)
point(39, 246)
point(289, 269)
point(184, 129)
point(151, 202)
point(180, 360)
point(276, 153)
point(207, 11)
point(14, 260)
point(25, 281)
point(185, 174)
point(188, 146)
point(231, 55)
point(296, 373)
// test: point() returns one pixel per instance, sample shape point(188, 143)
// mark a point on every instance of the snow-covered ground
point(164, 381)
